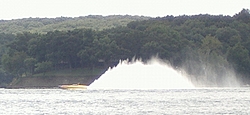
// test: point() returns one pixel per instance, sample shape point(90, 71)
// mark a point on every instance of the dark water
point(172, 101)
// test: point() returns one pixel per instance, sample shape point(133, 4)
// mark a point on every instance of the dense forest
point(44, 25)
point(200, 44)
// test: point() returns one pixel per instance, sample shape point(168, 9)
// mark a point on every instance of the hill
point(44, 25)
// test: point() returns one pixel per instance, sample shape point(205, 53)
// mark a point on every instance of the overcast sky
point(14, 9)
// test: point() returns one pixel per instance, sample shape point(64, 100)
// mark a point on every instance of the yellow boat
point(73, 86)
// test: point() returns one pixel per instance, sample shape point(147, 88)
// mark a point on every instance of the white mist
point(156, 74)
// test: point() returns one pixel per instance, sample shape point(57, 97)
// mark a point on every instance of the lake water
point(125, 102)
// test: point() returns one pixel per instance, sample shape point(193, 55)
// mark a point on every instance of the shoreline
point(34, 87)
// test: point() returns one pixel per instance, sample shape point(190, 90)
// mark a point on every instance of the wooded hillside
point(202, 45)
point(44, 25)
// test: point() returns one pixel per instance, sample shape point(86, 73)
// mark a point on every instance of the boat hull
point(73, 87)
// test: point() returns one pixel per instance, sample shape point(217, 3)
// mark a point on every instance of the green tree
point(165, 42)
point(87, 50)
point(30, 64)
point(239, 55)
point(43, 67)
point(38, 47)
point(243, 16)
point(228, 36)
point(20, 43)
point(105, 49)
point(210, 44)
point(14, 63)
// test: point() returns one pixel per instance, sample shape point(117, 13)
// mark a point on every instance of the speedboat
point(73, 86)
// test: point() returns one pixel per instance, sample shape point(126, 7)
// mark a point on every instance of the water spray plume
point(210, 71)
point(155, 74)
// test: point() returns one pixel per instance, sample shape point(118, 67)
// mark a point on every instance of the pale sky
point(15, 9)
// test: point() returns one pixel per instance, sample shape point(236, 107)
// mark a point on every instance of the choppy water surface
point(172, 101)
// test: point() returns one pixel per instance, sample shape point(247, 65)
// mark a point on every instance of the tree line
point(44, 25)
point(196, 43)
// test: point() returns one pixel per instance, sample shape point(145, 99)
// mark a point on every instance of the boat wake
point(155, 74)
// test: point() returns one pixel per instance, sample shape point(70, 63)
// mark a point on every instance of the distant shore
point(48, 82)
